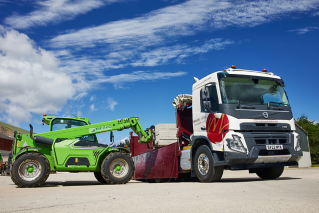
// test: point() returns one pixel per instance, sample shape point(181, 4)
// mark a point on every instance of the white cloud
point(73, 108)
point(111, 104)
point(92, 98)
point(183, 19)
point(91, 67)
point(178, 52)
point(118, 142)
point(80, 96)
point(31, 81)
point(143, 41)
point(92, 108)
point(53, 11)
point(301, 31)
point(138, 76)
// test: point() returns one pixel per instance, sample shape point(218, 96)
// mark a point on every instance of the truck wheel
point(117, 168)
point(99, 177)
point(204, 166)
point(30, 170)
point(270, 173)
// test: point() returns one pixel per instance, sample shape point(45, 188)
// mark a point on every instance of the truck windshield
point(252, 91)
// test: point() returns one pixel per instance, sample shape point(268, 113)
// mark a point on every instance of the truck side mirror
point(205, 93)
point(207, 105)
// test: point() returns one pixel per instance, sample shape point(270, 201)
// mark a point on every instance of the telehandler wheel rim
point(29, 170)
point(203, 164)
point(119, 168)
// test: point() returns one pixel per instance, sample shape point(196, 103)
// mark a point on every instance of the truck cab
point(245, 120)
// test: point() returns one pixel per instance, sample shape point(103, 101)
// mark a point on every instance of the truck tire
point(30, 170)
point(99, 177)
point(270, 173)
point(117, 168)
point(204, 166)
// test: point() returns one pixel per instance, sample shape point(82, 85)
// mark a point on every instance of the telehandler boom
point(71, 145)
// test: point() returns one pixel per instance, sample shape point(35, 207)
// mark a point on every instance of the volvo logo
point(265, 114)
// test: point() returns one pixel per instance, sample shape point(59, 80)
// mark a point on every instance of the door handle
point(203, 128)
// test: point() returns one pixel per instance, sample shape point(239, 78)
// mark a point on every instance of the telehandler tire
point(204, 166)
point(270, 173)
point(30, 170)
point(117, 168)
point(99, 177)
point(11, 176)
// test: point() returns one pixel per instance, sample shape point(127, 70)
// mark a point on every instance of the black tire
point(99, 177)
point(204, 166)
point(30, 170)
point(11, 176)
point(117, 168)
point(270, 173)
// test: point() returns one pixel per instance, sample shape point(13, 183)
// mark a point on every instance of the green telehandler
point(71, 145)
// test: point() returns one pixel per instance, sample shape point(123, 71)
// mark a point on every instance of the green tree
point(127, 142)
point(313, 135)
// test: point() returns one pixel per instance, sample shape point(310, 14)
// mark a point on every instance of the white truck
point(235, 119)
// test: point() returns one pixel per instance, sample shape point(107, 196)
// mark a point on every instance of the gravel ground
point(297, 190)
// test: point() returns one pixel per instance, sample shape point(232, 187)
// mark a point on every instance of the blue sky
point(111, 59)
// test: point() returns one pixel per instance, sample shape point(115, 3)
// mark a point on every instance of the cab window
point(61, 123)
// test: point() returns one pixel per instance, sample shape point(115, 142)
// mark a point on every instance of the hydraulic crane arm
point(115, 125)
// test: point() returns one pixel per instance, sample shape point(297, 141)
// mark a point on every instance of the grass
point(315, 165)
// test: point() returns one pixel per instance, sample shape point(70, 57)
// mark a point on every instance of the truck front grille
point(271, 139)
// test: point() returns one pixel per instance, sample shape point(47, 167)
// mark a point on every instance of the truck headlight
point(298, 144)
point(236, 144)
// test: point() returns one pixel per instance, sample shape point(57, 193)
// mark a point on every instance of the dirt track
point(238, 191)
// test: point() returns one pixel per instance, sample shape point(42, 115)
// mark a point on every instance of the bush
point(313, 136)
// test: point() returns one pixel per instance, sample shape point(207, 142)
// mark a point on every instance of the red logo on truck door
point(215, 127)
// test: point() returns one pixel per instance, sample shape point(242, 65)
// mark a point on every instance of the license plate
point(274, 147)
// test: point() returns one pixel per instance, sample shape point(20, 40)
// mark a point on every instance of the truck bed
point(154, 163)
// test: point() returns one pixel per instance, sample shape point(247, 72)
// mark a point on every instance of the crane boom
point(108, 126)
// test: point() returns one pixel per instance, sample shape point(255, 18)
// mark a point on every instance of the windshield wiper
point(274, 103)
point(248, 107)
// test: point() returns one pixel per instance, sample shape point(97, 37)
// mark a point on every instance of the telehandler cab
point(71, 145)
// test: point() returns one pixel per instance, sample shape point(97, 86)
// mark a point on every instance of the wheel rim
point(119, 168)
point(203, 164)
point(29, 170)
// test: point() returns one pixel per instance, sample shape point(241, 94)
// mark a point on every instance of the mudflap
point(158, 163)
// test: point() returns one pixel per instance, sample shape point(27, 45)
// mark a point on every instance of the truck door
point(208, 121)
